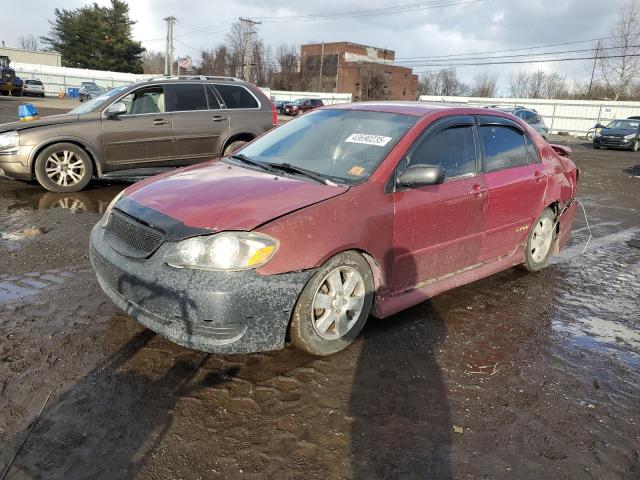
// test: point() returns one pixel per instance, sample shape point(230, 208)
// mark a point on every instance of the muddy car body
point(449, 195)
point(135, 131)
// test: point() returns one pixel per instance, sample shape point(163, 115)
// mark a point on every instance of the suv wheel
point(334, 305)
point(233, 146)
point(63, 167)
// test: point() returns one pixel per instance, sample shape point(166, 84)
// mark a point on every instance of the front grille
point(130, 237)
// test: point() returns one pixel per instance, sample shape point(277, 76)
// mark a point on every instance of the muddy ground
point(515, 376)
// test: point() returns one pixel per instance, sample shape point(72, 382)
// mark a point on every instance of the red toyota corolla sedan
point(348, 211)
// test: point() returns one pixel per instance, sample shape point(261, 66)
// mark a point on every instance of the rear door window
point(504, 147)
point(214, 104)
point(183, 97)
point(235, 96)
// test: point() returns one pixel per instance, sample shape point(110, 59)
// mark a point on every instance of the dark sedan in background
point(302, 105)
point(622, 134)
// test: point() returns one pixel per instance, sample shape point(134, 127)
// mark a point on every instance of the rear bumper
point(218, 312)
point(566, 225)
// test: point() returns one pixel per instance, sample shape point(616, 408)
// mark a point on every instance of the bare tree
point(237, 41)
point(152, 62)
point(536, 84)
point(28, 42)
point(448, 84)
point(619, 73)
point(288, 63)
point(519, 84)
point(484, 85)
point(556, 86)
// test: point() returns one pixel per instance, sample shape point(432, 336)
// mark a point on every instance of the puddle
point(23, 234)
point(34, 283)
point(598, 305)
point(94, 200)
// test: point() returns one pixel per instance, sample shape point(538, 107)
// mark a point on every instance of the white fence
point(59, 79)
point(327, 98)
point(572, 116)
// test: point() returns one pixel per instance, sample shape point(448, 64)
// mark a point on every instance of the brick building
point(368, 73)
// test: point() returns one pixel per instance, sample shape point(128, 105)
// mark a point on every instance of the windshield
point(344, 146)
point(626, 124)
point(97, 102)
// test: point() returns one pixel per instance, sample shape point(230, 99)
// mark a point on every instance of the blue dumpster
point(73, 92)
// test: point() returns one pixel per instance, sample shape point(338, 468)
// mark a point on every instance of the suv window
point(236, 97)
point(214, 104)
point(453, 149)
point(183, 97)
point(504, 147)
point(33, 82)
point(145, 100)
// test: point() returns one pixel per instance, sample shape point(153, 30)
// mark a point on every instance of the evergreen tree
point(96, 37)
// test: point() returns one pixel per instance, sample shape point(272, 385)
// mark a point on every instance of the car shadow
point(635, 170)
point(401, 424)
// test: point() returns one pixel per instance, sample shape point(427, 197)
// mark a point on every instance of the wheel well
point(74, 142)
point(245, 137)
point(555, 207)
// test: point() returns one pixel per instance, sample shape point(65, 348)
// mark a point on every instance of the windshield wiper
point(249, 161)
point(287, 167)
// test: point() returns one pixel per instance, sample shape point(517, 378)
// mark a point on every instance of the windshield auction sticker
point(363, 138)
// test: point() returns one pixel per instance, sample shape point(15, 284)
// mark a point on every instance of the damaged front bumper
point(218, 312)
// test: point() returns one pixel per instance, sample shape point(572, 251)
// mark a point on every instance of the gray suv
point(530, 116)
point(136, 131)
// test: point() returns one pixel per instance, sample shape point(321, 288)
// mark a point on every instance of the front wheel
point(590, 135)
point(539, 241)
point(334, 305)
point(635, 146)
point(63, 167)
point(233, 146)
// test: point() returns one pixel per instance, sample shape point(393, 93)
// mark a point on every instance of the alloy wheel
point(338, 303)
point(65, 168)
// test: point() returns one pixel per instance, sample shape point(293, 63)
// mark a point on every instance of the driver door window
point(453, 149)
point(145, 100)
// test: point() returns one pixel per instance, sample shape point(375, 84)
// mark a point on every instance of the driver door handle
point(218, 118)
point(160, 121)
point(478, 190)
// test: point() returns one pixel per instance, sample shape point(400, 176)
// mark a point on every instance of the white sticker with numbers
point(363, 138)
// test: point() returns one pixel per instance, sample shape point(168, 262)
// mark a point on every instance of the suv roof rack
point(193, 77)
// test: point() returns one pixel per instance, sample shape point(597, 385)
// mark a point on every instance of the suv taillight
point(274, 114)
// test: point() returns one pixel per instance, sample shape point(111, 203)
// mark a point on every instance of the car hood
point(50, 120)
point(618, 132)
point(219, 196)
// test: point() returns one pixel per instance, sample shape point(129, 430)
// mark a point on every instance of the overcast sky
point(487, 25)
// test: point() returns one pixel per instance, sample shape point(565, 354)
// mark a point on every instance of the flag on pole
point(184, 63)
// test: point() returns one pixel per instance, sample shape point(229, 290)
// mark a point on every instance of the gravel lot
point(515, 376)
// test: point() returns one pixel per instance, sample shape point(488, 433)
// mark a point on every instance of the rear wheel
point(334, 305)
point(539, 242)
point(63, 167)
point(233, 146)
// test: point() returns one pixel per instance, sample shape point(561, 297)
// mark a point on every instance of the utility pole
point(248, 47)
point(321, 65)
point(168, 56)
point(595, 62)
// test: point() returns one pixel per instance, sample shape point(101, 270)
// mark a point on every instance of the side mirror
point(116, 109)
point(420, 175)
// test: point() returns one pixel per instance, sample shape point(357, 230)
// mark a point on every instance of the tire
point(635, 146)
point(538, 251)
point(233, 146)
point(70, 168)
point(596, 147)
point(589, 135)
point(308, 331)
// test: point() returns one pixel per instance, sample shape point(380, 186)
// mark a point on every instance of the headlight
point(9, 139)
point(631, 136)
point(107, 213)
point(229, 251)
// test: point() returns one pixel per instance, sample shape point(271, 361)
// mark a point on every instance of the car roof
point(194, 79)
point(418, 109)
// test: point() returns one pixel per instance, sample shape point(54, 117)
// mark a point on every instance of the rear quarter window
point(235, 96)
